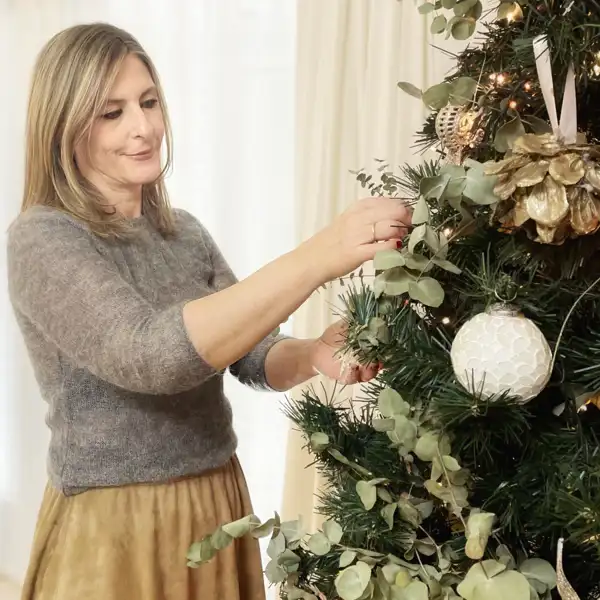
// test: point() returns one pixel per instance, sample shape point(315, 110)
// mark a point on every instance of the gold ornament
point(548, 188)
point(456, 128)
point(565, 589)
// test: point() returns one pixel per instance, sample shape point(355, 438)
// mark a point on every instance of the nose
point(140, 125)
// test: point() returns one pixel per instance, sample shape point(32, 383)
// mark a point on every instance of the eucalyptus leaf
point(351, 583)
point(416, 590)
point(463, 28)
point(391, 403)
point(480, 187)
point(388, 259)
point(421, 212)
point(201, 552)
point(384, 495)
point(288, 559)
point(276, 546)
point(367, 494)
point(428, 291)
point(405, 432)
point(507, 134)
point(448, 4)
point(319, 544)
point(383, 424)
point(333, 531)
point(457, 181)
point(426, 8)
point(437, 96)
point(537, 125)
point(275, 573)
point(479, 529)
point(410, 89)
point(463, 90)
point(447, 266)
point(319, 441)
point(378, 327)
point(434, 187)
point(293, 531)
point(427, 446)
point(387, 512)
point(241, 527)
point(219, 539)
point(509, 584)
point(418, 262)
point(393, 282)
point(265, 529)
point(450, 463)
point(347, 558)
point(438, 25)
point(462, 7)
point(539, 570)
point(408, 512)
point(478, 573)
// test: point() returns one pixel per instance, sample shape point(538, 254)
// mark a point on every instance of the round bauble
point(499, 351)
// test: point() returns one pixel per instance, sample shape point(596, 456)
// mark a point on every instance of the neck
point(127, 202)
point(130, 207)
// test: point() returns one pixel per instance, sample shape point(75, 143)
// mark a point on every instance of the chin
point(143, 176)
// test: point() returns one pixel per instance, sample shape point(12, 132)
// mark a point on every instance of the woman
point(130, 315)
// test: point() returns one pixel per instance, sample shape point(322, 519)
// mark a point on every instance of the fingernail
point(399, 244)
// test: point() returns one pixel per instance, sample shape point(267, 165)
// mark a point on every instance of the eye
point(151, 103)
point(115, 114)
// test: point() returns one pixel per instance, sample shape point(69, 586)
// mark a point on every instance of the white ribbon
point(566, 128)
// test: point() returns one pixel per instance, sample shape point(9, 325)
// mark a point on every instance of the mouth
point(142, 155)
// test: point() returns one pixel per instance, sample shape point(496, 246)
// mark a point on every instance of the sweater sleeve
point(78, 301)
point(250, 369)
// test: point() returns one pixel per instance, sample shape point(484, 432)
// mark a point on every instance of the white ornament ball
point(501, 351)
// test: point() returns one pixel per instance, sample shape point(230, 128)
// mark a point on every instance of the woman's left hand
point(327, 360)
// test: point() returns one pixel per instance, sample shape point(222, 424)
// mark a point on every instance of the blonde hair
point(72, 78)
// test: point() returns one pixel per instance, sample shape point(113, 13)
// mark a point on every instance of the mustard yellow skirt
point(130, 543)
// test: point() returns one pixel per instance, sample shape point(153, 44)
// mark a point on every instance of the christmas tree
point(472, 467)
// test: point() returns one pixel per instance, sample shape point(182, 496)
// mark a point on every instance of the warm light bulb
point(596, 69)
point(500, 79)
point(493, 76)
point(513, 104)
point(448, 232)
point(445, 320)
point(527, 86)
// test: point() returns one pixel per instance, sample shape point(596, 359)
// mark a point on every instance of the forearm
point(226, 325)
point(290, 363)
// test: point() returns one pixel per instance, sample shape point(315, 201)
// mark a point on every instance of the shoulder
point(43, 229)
point(41, 219)
point(190, 228)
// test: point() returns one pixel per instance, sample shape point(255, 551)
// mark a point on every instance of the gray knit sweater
point(130, 400)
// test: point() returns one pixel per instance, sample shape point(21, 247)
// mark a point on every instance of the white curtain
point(228, 70)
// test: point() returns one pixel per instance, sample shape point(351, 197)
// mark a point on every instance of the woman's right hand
point(368, 226)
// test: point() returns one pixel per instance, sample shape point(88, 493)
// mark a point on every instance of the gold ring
point(374, 234)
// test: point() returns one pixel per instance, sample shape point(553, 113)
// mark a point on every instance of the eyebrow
point(152, 88)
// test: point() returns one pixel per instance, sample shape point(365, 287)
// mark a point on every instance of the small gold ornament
point(549, 189)
point(456, 128)
point(565, 589)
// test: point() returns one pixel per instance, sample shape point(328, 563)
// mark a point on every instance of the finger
point(367, 373)
point(391, 209)
point(387, 230)
point(368, 251)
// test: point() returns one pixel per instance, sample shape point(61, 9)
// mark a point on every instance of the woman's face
point(123, 150)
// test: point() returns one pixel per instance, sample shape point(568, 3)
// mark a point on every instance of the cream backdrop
point(228, 69)
point(349, 111)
